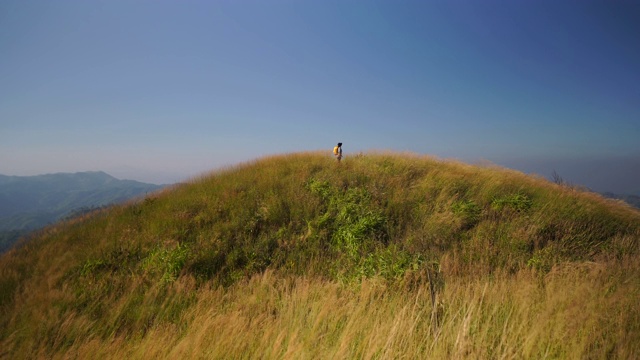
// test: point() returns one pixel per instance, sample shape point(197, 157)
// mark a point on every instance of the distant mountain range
point(633, 200)
point(32, 202)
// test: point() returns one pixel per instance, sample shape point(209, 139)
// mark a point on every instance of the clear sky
point(161, 91)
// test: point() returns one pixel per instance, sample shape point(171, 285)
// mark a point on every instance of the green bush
point(468, 211)
point(518, 202)
point(167, 262)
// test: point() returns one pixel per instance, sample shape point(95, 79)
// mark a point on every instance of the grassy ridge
point(297, 256)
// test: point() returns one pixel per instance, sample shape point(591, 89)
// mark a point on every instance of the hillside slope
point(296, 256)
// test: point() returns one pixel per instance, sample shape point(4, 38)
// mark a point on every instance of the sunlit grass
point(296, 256)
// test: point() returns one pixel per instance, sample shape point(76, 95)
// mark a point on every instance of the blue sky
point(161, 91)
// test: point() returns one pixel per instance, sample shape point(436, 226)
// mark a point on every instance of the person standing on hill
point(337, 151)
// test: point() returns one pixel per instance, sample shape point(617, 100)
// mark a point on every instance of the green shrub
point(390, 263)
point(468, 211)
point(166, 262)
point(357, 231)
point(518, 202)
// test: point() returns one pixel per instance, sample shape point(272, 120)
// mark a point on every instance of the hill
point(297, 256)
point(31, 202)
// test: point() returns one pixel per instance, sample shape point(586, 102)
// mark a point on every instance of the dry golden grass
point(433, 259)
point(575, 312)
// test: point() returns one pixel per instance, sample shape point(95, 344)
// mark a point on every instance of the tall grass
point(297, 256)
point(577, 311)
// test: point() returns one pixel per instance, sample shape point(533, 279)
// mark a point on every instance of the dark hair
point(339, 144)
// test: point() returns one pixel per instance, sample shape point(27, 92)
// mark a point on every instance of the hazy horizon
point(601, 175)
point(164, 91)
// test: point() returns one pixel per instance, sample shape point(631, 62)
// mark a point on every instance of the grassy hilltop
point(298, 257)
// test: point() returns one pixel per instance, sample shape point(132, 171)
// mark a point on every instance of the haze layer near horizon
point(159, 91)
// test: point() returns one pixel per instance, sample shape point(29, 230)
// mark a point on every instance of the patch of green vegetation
point(543, 259)
point(390, 263)
point(518, 202)
point(115, 261)
point(357, 229)
point(468, 211)
point(167, 262)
